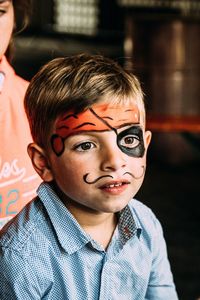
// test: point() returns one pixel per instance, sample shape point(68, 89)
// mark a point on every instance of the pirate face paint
point(94, 173)
point(97, 118)
point(100, 157)
point(131, 141)
point(85, 177)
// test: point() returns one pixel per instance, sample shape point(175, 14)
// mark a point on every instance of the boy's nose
point(112, 159)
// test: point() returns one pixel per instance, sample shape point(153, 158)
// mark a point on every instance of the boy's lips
point(115, 187)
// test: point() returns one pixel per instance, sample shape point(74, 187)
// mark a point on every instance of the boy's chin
point(115, 208)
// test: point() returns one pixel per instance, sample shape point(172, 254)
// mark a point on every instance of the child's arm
point(161, 285)
point(17, 279)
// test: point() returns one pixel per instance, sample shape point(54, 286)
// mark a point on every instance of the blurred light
point(76, 16)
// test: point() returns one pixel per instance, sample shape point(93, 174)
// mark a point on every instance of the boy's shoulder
point(25, 250)
point(140, 209)
point(19, 231)
point(145, 218)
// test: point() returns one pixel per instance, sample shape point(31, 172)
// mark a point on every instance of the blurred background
point(159, 40)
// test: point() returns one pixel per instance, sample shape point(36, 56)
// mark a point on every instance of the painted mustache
point(109, 176)
point(136, 177)
point(97, 179)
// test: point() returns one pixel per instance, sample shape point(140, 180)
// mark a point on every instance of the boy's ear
point(40, 162)
point(147, 137)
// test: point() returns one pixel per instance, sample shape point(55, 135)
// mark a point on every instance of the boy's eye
point(130, 141)
point(84, 146)
point(2, 11)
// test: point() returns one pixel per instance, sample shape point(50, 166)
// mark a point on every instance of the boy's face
point(6, 24)
point(98, 157)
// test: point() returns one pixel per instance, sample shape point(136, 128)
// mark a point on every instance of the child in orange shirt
point(18, 180)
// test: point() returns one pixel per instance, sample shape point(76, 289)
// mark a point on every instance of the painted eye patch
point(131, 142)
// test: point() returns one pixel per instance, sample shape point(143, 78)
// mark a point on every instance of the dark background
point(160, 43)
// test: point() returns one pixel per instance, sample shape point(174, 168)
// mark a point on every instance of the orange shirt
point(18, 180)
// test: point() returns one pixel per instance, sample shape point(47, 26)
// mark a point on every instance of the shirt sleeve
point(161, 285)
point(17, 278)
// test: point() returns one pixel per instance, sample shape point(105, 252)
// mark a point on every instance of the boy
point(84, 237)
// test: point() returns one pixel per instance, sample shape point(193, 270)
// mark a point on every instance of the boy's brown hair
point(75, 83)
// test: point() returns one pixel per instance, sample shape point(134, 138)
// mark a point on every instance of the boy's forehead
point(98, 117)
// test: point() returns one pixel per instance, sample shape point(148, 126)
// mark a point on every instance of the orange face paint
point(99, 117)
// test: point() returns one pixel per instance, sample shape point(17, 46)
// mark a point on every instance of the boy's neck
point(100, 226)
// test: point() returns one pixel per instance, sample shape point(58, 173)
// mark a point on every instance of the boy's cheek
point(138, 167)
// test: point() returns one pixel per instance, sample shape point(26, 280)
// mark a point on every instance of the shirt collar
point(70, 234)
point(128, 226)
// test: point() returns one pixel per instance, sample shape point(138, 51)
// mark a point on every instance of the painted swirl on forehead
point(99, 117)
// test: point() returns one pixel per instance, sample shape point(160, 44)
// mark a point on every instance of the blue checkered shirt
point(45, 254)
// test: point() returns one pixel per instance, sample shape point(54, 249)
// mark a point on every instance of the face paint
point(97, 118)
point(131, 142)
point(85, 177)
point(95, 180)
point(137, 177)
